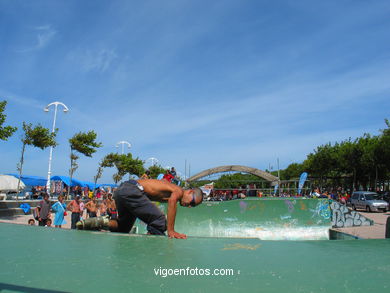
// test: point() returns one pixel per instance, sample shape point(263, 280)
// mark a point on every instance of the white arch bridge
point(265, 175)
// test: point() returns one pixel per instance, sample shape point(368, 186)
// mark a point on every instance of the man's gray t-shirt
point(44, 209)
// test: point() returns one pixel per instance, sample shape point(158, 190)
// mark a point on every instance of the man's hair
point(31, 221)
point(198, 194)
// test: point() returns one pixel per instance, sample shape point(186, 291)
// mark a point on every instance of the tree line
point(361, 163)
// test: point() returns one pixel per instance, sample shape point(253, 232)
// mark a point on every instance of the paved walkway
point(377, 231)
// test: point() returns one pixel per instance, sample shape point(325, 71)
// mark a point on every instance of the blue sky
point(210, 82)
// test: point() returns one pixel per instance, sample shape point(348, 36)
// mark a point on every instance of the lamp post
point(123, 142)
point(46, 109)
point(153, 161)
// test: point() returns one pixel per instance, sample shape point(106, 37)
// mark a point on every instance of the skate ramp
point(41, 259)
point(266, 219)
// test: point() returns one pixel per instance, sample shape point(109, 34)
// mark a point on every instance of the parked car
point(386, 196)
point(369, 201)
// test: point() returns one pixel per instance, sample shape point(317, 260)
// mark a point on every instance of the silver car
point(369, 201)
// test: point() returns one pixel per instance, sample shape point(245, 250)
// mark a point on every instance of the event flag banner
point(276, 188)
point(302, 180)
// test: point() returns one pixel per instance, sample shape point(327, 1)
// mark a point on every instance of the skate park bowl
point(266, 219)
point(41, 259)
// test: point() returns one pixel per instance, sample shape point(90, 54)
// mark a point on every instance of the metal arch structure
point(265, 175)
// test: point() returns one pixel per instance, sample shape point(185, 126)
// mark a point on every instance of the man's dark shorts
point(92, 214)
point(75, 217)
point(132, 203)
point(42, 222)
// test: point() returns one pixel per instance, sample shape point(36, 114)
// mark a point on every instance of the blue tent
point(108, 185)
point(90, 185)
point(31, 180)
point(66, 180)
point(41, 181)
point(76, 182)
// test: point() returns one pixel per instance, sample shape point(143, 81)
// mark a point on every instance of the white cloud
point(28, 102)
point(284, 108)
point(90, 60)
point(43, 36)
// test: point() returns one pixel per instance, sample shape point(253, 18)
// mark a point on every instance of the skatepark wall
point(266, 219)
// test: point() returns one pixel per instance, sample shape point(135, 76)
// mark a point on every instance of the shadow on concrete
point(17, 288)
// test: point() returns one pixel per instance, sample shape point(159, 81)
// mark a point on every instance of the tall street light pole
point(123, 143)
point(153, 161)
point(46, 109)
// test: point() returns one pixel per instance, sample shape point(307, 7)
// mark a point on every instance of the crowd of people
point(60, 188)
point(170, 175)
point(38, 192)
point(80, 208)
point(337, 194)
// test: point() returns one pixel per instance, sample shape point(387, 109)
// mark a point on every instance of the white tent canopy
point(10, 184)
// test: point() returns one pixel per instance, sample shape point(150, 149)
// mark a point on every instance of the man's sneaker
point(96, 223)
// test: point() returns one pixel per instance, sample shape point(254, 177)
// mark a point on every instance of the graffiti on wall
point(344, 217)
point(322, 209)
point(290, 205)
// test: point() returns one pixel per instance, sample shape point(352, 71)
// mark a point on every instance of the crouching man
point(134, 200)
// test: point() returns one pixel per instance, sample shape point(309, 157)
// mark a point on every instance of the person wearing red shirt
point(168, 176)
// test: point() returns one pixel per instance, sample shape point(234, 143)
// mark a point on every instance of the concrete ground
point(377, 231)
